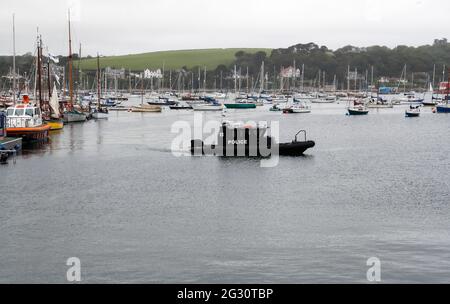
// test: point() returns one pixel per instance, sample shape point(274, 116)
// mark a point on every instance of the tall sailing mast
point(14, 60)
point(80, 76)
point(39, 71)
point(246, 77)
point(348, 79)
point(294, 76)
point(303, 77)
point(70, 66)
point(98, 83)
point(235, 79)
point(204, 81)
point(262, 78)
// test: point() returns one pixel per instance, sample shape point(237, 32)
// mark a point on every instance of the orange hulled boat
point(24, 120)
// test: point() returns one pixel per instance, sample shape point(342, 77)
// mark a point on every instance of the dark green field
point(210, 58)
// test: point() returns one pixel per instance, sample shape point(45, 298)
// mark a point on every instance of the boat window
point(29, 112)
point(38, 111)
point(9, 112)
point(19, 112)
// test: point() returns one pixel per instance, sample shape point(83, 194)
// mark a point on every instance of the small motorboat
point(297, 108)
point(358, 110)
point(99, 113)
point(108, 102)
point(275, 108)
point(180, 106)
point(413, 111)
point(378, 103)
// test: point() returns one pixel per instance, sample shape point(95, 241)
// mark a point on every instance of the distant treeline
point(386, 62)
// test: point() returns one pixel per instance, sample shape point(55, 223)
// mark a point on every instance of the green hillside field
point(210, 58)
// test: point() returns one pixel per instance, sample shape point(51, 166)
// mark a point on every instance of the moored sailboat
point(99, 112)
point(71, 114)
point(144, 108)
point(359, 110)
point(54, 121)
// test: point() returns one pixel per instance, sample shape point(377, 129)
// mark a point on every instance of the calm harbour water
point(112, 194)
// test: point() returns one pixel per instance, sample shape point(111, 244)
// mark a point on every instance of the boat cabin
point(23, 116)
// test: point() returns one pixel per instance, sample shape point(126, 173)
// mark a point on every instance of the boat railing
point(301, 131)
point(22, 122)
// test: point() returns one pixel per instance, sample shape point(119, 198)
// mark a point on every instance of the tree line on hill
point(423, 61)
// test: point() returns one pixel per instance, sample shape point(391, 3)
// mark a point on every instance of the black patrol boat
point(250, 141)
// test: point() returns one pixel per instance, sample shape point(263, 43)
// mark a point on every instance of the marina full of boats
point(29, 115)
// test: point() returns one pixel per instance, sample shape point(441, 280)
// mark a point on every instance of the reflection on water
point(111, 193)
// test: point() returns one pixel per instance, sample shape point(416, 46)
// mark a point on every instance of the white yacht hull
point(74, 117)
point(204, 107)
point(99, 115)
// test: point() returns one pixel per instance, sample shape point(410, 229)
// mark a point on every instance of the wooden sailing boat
point(50, 108)
point(145, 107)
point(55, 122)
point(71, 114)
point(99, 112)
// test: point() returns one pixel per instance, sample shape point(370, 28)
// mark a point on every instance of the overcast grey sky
point(115, 27)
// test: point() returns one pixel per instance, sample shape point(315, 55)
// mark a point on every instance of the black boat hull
point(284, 149)
point(180, 108)
point(295, 148)
point(250, 142)
point(166, 103)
